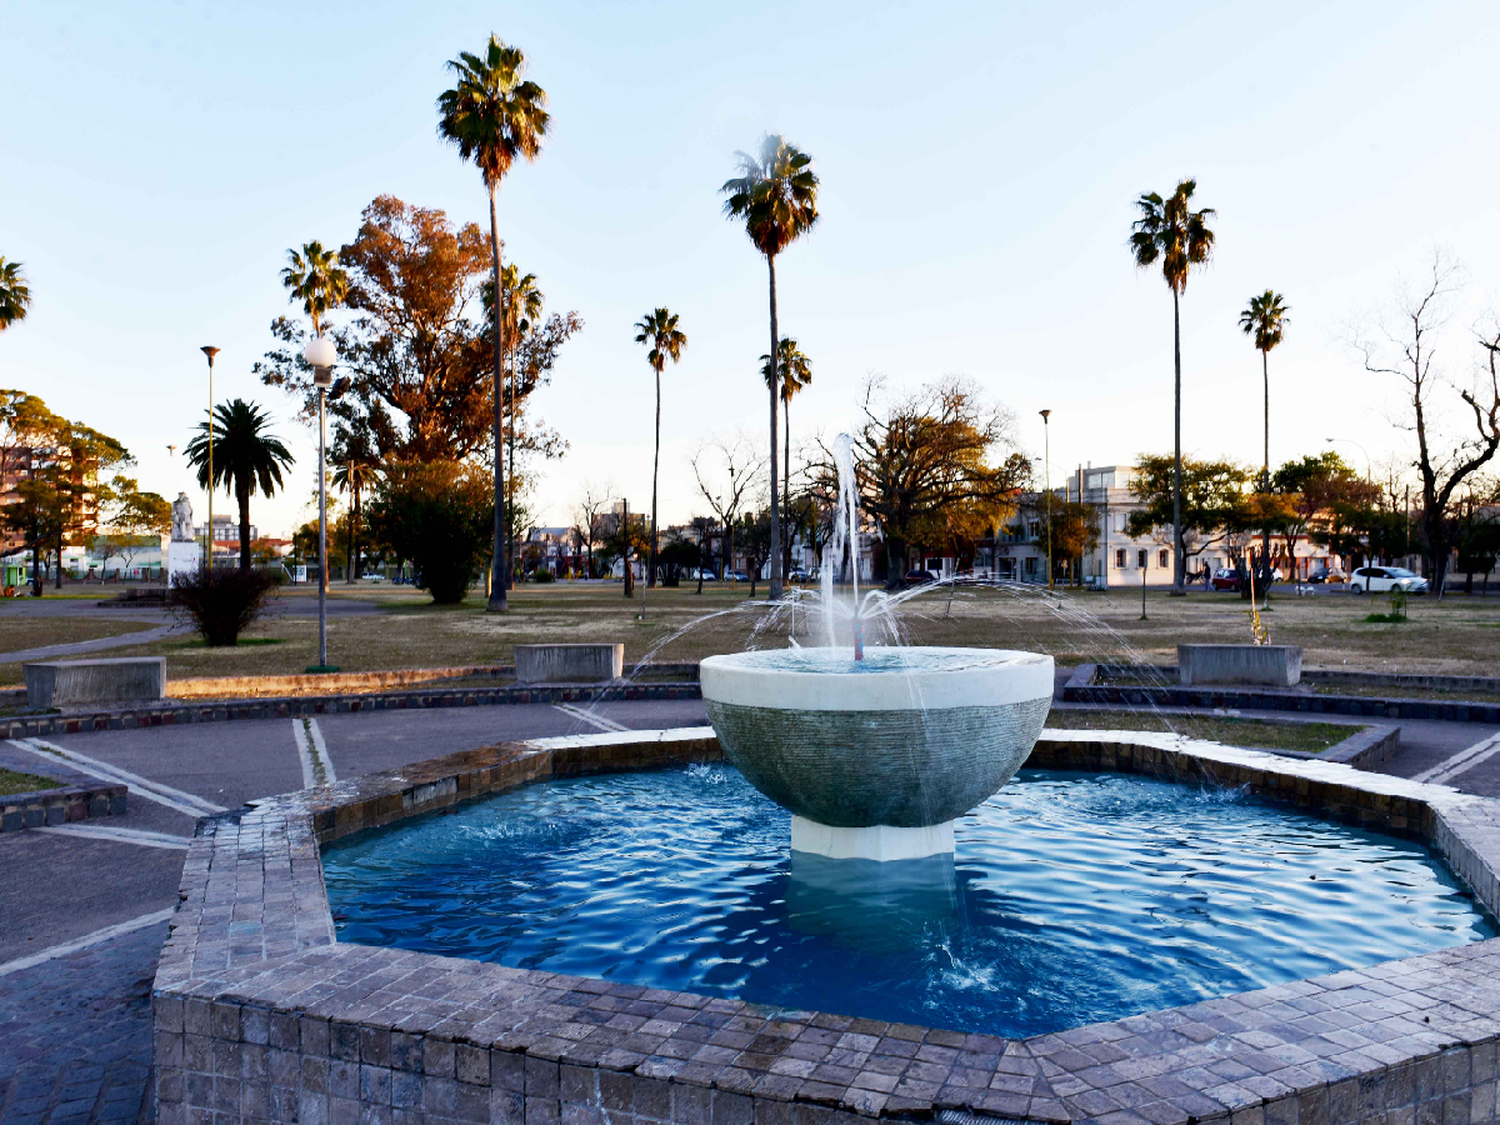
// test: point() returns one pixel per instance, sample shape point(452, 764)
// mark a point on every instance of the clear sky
point(979, 164)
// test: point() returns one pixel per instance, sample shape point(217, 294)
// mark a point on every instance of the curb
point(219, 711)
point(80, 798)
point(1081, 688)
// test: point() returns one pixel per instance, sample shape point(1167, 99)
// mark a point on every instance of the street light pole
point(321, 354)
point(1047, 468)
point(1369, 476)
point(209, 538)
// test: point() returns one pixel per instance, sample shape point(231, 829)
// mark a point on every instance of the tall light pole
point(321, 356)
point(1047, 468)
point(1369, 476)
point(210, 351)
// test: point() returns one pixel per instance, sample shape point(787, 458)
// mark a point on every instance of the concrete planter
point(70, 683)
point(569, 664)
point(1273, 665)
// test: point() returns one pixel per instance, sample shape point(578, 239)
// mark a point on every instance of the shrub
point(542, 574)
point(440, 515)
point(221, 602)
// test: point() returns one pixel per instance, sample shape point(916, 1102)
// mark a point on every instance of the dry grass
point(12, 783)
point(18, 632)
point(1257, 734)
point(1456, 636)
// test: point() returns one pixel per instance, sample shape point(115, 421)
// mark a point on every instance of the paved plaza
point(74, 1028)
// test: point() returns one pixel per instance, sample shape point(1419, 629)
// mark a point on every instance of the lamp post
point(1369, 476)
point(1047, 469)
point(321, 356)
point(210, 351)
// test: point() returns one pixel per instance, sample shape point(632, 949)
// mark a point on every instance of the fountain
point(875, 751)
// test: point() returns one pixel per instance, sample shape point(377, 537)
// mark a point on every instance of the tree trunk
point(510, 484)
point(786, 485)
point(1179, 560)
point(655, 464)
point(242, 496)
point(498, 602)
point(349, 537)
point(1265, 471)
point(775, 583)
point(354, 532)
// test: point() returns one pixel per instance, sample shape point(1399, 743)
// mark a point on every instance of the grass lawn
point(12, 782)
point(19, 632)
point(1458, 635)
point(1257, 734)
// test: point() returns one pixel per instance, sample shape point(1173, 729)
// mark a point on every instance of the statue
point(182, 519)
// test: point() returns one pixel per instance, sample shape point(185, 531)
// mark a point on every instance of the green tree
point(1204, 502)
point(494, 116)
point(439, 515)
point(523, 308)
point(1171, 232)
point(776, 196)
point(1264, 320)
point(658, 330)
point(15, 294)
point(247, 458)
point(132, 519)
point(315, 278)
point(795, 372)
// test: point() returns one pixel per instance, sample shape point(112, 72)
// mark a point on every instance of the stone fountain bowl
point(908, 737)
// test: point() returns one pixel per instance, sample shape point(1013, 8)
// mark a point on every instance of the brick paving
point(75, 1034)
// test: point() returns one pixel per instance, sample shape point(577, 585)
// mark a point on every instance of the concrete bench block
point(68, 683)
point(569, 664)
point(1272, 665)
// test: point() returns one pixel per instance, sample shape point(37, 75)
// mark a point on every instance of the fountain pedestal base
point(880, 842)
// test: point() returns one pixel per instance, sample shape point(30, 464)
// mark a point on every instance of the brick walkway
point(75, 1034)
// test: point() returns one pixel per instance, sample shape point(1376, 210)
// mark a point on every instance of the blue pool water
point(1073, 898)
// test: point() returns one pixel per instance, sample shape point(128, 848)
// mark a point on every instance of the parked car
point(1324, 574)
point(372, 576)
point(797, 574)
point(1226, 579)
point(736, 576)
point(704, 573)
point(1378, 579)
point(917, 577)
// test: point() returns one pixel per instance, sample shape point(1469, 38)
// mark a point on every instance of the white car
point(1379, 579)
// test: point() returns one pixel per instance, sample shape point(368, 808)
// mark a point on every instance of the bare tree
point(1444, 460)
point(595, 499)
point(728, 471)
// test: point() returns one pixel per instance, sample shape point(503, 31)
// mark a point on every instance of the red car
point(1226, 579)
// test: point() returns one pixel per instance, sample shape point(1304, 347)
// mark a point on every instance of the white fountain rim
point(996, 677)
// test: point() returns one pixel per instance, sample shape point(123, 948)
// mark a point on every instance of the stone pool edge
point(261, 1015)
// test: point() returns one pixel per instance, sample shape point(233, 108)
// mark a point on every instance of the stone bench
point(569, 664)
point(71, 683)
point(1273, 665)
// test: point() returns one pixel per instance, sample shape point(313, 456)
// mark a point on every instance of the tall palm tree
point(15, 294)
point(776, 195)
point(523, 308)
point(1171, 232)
point(493, 116)
point(246, 457)
point(659, 331)
point(314, 277)
point(1264, 319)
point(795, 370)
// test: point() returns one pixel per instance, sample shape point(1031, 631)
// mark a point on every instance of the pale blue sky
point(979, 164)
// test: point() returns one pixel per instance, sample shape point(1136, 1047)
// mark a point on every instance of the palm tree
point(493, 117)
point(795, 370)
point(15, 294)
point(245, 457)
point(355, 467)
point(314, 278)
point(1265, 319)
point(658, 330)
point(776, 194)
point(1170, 230)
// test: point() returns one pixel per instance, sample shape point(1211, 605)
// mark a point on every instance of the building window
point(1031, 565)
point(1161, 558)
point(1120, 558)
point(1140, 559)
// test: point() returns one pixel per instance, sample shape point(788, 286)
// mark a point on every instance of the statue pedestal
point(182, 558)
